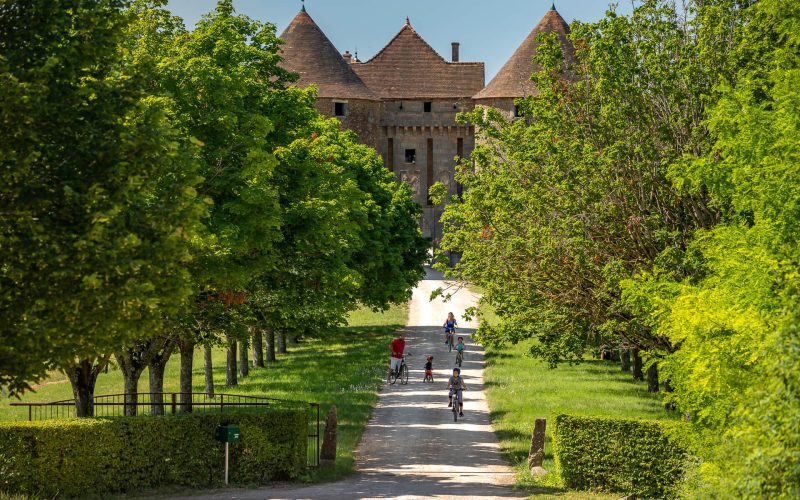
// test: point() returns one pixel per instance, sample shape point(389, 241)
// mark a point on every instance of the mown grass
point(344, 367)
point(520, 389)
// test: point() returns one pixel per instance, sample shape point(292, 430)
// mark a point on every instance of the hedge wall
point(99, 456)
point(638, 457)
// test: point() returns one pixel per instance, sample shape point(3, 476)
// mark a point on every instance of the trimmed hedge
point(638, 457)
point(77, 457)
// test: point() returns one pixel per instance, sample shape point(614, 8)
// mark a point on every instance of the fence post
point(174, 402)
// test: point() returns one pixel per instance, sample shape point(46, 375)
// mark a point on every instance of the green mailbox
point(227, 433)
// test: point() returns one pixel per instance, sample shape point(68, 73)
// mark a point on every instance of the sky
point(488, 30)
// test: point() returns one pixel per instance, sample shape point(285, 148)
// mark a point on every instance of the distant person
point(428, 370)
point(397, 347)
point(449, 325)
point(457, 387)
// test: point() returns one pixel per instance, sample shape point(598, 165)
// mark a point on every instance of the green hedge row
point(98, 456)
point(640, 457)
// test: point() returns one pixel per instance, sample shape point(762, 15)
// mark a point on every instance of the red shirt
point(398, 346)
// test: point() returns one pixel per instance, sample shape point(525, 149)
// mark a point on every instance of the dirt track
point(411, 447)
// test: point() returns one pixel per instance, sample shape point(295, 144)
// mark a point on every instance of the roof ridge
point(406, 27)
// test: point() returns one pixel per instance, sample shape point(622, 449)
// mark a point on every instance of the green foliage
point(638, 457)
point(736, 320)
point(566, 203)
point(106, 456)
point(98, 197)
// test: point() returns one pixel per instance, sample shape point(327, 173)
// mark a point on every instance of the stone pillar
point(328, 453)
point(536, 453)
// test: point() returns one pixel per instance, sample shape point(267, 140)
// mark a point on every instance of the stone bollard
point(536, 454)
point(328, 452)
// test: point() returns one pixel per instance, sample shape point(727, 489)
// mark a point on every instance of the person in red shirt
point(397, 346)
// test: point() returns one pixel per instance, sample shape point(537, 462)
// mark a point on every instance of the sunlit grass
point(520, 389)
point(344, 367)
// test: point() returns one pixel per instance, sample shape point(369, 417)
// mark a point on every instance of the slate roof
point(407, 68)
point(513, 79)
point(308, 52)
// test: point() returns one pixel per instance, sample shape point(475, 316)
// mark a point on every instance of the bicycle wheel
point(404, 374)
point(450, 343)
point(392, 378)
point(459, 359)
point(455, 409)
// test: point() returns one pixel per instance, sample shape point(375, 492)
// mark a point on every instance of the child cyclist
point(450, 325)
point(457, 386)
point(460, 350)
point(428, 370)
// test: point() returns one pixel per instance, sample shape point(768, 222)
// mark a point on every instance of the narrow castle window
point(426, 106)
point(339, 109)
point(411, 155)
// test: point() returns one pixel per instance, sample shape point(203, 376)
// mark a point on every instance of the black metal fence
point(165, 403)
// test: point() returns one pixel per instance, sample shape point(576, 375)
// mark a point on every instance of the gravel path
point(411, 447)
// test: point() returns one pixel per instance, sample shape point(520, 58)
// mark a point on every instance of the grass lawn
point(520, 389)
point(346, 367)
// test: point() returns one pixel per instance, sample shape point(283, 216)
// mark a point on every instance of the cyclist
point(460, 348)
point(397, 347)
point(457, 386)
point(450, 325)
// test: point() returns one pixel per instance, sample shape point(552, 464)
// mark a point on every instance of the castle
point(404, 100)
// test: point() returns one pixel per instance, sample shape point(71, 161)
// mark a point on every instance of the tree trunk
point(159, 352)
point(83, 378)
point(668, 388)
point(652, 378)
point(281, 343)
point(257, 340)
point(209, 369)
point(156, 376)
point(244, 363)
point(230, 369)
point(637, 365)
point(187, 363)
point(132, 362)
point(270, 341)
point(625, 359)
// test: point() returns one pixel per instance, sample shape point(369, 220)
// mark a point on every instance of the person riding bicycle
point(460, 348)
point(397, 347)
point(457, 386)
point(450, 325)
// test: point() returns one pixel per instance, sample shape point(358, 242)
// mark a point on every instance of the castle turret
point(513, 80)
point(341, 93)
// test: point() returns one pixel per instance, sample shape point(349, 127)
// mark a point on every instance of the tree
point(566, 203)
point(97, 196)
point(737, 318)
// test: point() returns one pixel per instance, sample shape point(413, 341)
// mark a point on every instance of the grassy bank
point(345, 367)
point(520, 389)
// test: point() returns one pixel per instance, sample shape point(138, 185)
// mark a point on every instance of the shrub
point(641, 457)
point(76, 456)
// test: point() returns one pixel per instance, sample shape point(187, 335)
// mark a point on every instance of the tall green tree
point(97, 195)
point(564, 204)
point(737, 318)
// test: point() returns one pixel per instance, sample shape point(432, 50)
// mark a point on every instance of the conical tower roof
point(513, 80)
point(309, 53)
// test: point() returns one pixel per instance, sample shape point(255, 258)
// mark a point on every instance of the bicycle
point(458, 395)
point(459, 358)
point(450, 335)
point(401, 373)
